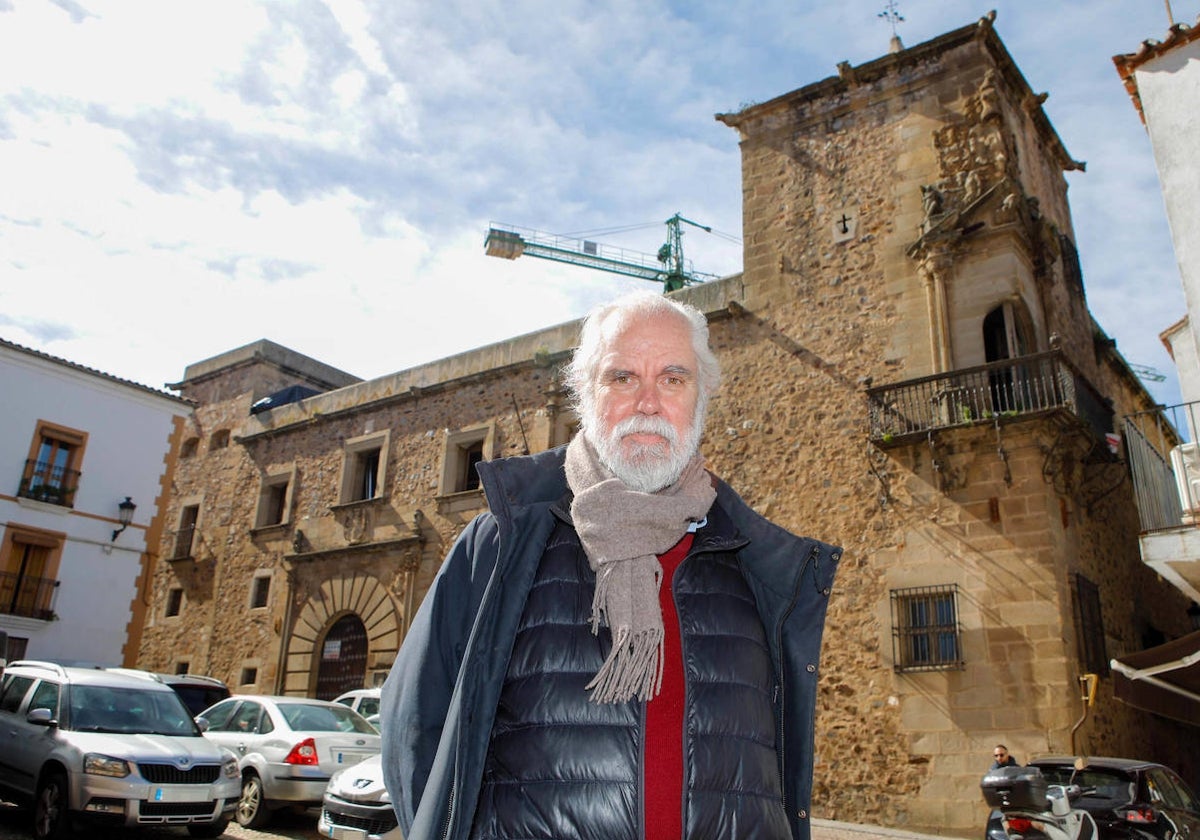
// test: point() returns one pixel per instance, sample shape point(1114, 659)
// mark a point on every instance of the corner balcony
point(1165, 464)
point(1037, 385)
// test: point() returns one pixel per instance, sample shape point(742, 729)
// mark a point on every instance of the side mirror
point(41, 717)
point(202, 722)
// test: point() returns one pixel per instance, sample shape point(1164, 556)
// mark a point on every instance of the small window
point(925, 631)
point(249, 676)
point(219, 439)
point(181, 668)
point(364, 468)
point(274, 499)
point(17, 645)
point(260, 591)
point(186, 533)
point(1093, 653)
point(188, 448)
point(52, 470)
point(464, 449)
point(174, 601)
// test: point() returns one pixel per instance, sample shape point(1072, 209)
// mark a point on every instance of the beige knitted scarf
point(622, 531)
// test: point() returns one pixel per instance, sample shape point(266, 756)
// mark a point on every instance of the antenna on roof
point(892, 15)
point(1170, 14)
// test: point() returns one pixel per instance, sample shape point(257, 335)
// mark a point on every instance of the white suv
point(86, 744)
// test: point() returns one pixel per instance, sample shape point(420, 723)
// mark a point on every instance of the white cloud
point(192, 176)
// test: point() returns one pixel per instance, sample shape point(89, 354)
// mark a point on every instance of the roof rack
point(39, 663)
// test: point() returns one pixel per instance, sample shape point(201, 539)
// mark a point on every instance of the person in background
point(1002, 758)
point(621, 647)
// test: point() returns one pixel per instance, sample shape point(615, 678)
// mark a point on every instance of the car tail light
point(1019, 824)
point(303, 753)
point(1138, 814)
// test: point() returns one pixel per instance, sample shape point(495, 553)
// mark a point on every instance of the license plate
point(338, 832)
point(349, 757)
point(176, 793)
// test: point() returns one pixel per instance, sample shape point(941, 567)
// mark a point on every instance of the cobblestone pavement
point(14, 825)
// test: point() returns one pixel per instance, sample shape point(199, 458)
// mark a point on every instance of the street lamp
point(124, 515)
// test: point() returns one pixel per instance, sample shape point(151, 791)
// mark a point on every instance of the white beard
point(647, 468)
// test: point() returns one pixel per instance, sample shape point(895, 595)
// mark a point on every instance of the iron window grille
point(926, 635)
point(1090, 624)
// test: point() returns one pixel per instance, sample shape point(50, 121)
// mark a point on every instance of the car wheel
point(252, 811)
point(213, 829)
point(51, 819)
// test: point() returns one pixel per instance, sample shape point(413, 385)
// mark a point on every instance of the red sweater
point(664, 718)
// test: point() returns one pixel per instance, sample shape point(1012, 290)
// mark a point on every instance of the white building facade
point(75, 446)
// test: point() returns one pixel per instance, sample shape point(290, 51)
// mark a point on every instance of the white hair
point(580, 374)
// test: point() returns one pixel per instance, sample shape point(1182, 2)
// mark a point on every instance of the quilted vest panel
point(562, 767)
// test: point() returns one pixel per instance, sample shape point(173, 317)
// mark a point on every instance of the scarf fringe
point(634, 668)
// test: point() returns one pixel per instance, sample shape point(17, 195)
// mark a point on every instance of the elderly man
point(620, 648)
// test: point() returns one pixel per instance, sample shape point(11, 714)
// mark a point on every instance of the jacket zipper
point(641, 788)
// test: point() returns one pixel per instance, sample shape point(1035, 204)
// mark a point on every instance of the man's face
point(646, 425)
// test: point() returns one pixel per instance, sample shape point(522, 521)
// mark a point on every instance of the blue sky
point(179, 179)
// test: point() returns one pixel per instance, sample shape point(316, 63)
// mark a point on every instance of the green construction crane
point(667, 267)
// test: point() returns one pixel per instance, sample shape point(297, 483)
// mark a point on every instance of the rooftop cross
point(892, 15)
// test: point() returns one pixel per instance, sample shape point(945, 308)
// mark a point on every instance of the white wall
point(128, 438)
point(1169, 87)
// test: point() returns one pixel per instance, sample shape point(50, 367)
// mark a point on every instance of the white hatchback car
point(287, 748)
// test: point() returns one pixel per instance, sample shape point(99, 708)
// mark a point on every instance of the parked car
point(287, 748)
point(365, 701)
point(85, 744)
point(197, 692)
point(357, 805)
point(1128, 799)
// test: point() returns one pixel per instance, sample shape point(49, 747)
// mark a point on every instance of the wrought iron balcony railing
point(45, 482)
point(23, 595)
point(1165, 466)
point(998, 391)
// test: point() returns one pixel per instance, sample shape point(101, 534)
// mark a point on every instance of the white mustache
point(646, 425)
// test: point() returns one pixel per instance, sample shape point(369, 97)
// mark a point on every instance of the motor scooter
point(1033, 809)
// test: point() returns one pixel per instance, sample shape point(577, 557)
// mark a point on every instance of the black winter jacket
point(441, 698)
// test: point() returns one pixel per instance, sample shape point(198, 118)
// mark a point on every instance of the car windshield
point(129, 710)
point(307, 717)
point(1109, 786)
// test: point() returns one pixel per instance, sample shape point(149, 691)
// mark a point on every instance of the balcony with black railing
point(1164, 461)
point(27, 596)
point(49, 483)
point(1165, 465)
point(1011, 389)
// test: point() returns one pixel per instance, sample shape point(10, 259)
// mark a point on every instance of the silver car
point(85, 744)
point(357, 805)
point(287, 748)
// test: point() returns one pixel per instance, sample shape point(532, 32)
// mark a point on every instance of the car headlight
point(104, 765)
point(229, 765)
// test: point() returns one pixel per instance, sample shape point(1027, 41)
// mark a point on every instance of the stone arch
point(1008, 331)
point(355, 593)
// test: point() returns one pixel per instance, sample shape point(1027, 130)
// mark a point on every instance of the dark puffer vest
point(559, 766)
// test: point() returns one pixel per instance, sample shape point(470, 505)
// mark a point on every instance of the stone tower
point(914, 373)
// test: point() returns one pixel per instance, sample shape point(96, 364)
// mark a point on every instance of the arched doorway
point(343, 663)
